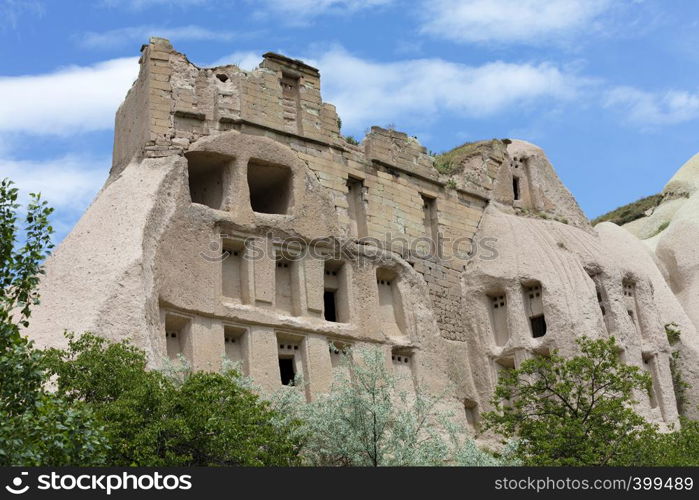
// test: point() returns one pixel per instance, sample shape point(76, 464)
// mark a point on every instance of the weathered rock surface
point(456, 274)
point(671, 232)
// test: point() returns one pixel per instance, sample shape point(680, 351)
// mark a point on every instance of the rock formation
point(236, 221)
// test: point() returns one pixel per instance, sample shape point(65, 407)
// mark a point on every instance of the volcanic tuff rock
point(457, 272)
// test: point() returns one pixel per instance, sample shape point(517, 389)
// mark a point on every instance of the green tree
point(152, 419)
point(367, 420)
point(679, 448)
point(572, 411)
point(36, 427)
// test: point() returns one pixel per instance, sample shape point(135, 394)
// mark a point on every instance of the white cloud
point(142, 4)
point(295, 11)
point(367, 92)
point(302, 11)
point(12, 10)
point(141, 34)
point(649, 109)
point(509, 21)
point(68, 184)
point(70, 100)
point(244, 59)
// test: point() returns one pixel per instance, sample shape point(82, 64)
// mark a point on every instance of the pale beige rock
point(671, 232)
point(669, 308)
point(215, 167)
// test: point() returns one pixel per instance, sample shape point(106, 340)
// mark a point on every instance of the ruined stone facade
point(238, 222)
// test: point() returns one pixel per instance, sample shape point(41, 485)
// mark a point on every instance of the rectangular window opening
point(515, 187)
point(285, 297)
point(232, 278)
point(291, 102)
point(329, 310)
point(498, 318)
point(355, 204)
point(403, 365)
point(534, 306)
point(649, 361)
point(287, 370)
point(430, 220)
point(233, 344)
point(336, 304)
point(177, 335)
point(471, 413)
point(390, 303)
point(538, 324)
point(206, 172)
point(270, 187)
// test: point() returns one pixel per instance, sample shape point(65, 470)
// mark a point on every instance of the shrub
point(36, 427)
point(151, 419)
point(368, 420)
point(574, 411)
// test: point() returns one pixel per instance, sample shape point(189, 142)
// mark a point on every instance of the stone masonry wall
point(184, 103)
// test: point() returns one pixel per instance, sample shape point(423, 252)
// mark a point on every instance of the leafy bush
point(572, 411)
point(368, 420)
point(679, 448)
point(151, 419)
point(36, 426)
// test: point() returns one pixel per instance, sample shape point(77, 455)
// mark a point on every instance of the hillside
point(631, 211)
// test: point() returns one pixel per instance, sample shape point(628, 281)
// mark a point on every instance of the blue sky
point(607, 87)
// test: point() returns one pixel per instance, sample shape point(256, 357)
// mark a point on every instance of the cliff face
point(671, 232)
point(237, 222)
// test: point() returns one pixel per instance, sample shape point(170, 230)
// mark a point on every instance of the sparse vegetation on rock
point(368, 420)
point(631, 212)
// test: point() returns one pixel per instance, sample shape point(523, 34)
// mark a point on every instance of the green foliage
point(52, 433)
point(20, 268)
point(679, 385)
point(36, 427)
point(679, 448)
point(444, 165)
point(451, 184)
point(351, 140)
point(339, 123)
point(541, 215)
point(630, 212)
point(452, 160)
point(152, 419)
point(662, 227)
point(572, 412)
point(368, 420)
point(673, 332)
